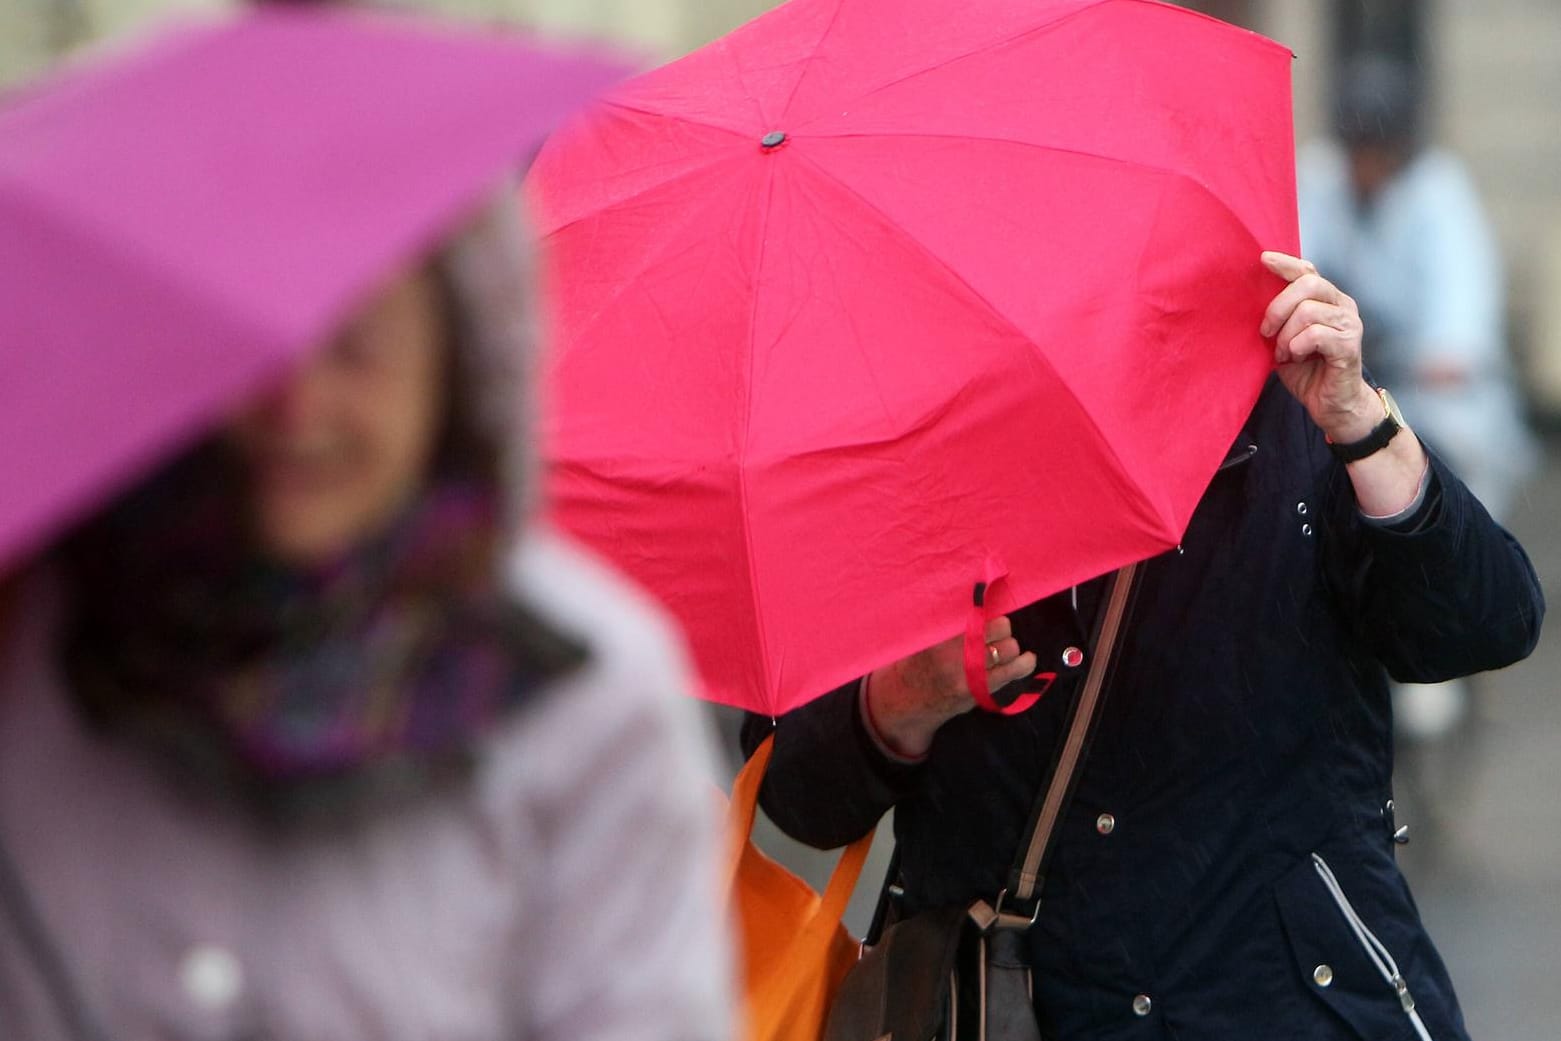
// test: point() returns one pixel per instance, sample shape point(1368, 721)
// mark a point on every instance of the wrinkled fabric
point(791, 372)
point(1247, 727)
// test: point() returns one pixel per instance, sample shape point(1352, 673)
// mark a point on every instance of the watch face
point(1392, 406)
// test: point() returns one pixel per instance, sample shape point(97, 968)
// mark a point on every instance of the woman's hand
point(908, 701)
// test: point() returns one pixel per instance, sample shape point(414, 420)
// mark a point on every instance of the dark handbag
point(962, 972)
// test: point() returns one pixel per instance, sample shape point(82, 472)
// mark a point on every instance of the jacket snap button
point(1073, 657)
point(1105, 824)
point(1323, 975)
point(1142, 1006)
point(1306, 529)
point(1301, 508)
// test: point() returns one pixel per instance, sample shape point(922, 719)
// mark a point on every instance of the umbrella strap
point(975, 654)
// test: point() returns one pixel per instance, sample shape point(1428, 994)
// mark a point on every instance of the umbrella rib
point(867, 365)
point(1036, 30)
point(742, 469)
point(645, 110)
point(1057, 150)
point(921, 247)
point(633, 196)
point(669, 246)
point(807, 66)
point(724, 48)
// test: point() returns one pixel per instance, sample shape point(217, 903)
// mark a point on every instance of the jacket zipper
point(1379, 955)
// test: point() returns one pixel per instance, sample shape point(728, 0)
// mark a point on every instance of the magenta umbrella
point(179, 222)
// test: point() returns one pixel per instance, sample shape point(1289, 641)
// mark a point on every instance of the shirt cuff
point(864, 711)
point(1410, 518)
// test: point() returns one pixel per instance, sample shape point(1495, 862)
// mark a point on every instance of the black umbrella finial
point(773, 140)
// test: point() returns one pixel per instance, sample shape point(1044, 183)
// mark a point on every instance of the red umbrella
point(876, 299)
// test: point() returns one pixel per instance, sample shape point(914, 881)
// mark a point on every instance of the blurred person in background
point(1399, 224)
point(314, 735)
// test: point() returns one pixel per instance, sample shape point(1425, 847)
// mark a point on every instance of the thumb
point(1287, 267)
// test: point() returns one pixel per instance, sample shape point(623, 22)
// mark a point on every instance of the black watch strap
point(1373, 442)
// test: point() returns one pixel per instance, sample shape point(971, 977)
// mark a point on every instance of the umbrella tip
point(774, 139)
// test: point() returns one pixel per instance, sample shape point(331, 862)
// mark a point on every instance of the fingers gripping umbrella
point(876, 299)
point(181, 221)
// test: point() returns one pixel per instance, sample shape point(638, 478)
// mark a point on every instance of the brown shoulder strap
point(1028, 872)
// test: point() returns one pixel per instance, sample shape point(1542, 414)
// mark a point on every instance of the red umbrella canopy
point(875, 299)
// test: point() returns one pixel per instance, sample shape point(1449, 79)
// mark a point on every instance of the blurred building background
point(1485, 855)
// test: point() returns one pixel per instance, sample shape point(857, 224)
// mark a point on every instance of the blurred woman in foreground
point(313, 735)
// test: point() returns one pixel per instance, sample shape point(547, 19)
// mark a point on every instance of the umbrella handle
point(975, 655)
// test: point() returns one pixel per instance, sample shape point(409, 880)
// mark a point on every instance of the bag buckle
point(1013, 912)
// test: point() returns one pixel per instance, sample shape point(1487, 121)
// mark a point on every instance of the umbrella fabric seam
point(1138, 272)
point(633, 197)
point(1038, 30)
point(724, 49)
point(807, 64)
point(1059, 150)
point(629, 281)
point(1141, 500)
point(742, 467)
point(785, 110)
point(643, 110)
point(1034, 30)
point(877, 385)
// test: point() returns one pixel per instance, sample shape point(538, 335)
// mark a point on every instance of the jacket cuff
point(1420, 510)
point(897, 773)
point(1431, 532)
point(864, 712)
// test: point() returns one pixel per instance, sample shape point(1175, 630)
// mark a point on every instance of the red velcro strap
point(975, 651)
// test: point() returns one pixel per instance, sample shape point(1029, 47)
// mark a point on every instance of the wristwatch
point(1381, 434)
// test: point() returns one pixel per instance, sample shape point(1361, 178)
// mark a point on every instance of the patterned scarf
point(286, 685)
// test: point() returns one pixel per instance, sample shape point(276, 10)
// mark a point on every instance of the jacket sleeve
point(827, 783)
point(1448, 594)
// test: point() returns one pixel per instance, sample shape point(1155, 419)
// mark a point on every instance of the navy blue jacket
point(1244, 757)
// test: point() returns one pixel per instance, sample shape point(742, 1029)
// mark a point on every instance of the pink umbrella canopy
point(181, 221)
point(874, 300)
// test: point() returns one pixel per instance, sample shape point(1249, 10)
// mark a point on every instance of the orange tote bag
point(793, 947)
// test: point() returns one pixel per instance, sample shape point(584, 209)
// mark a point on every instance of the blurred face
point(1372, 167)
point(336, 450)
